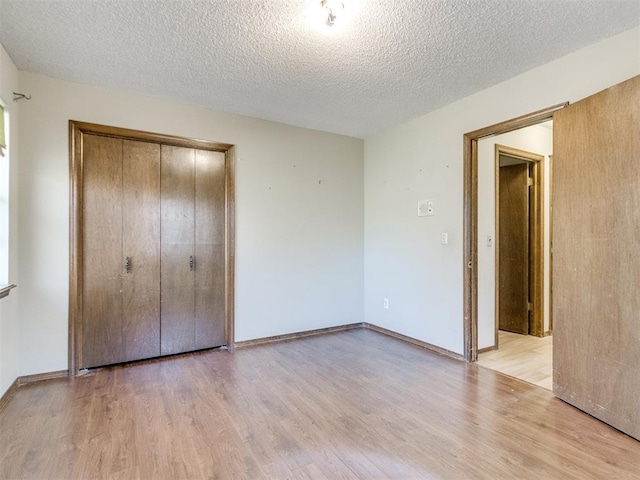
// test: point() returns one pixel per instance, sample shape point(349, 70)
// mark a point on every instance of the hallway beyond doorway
point(525, 357)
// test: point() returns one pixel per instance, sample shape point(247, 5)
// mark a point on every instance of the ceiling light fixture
point(333, 8)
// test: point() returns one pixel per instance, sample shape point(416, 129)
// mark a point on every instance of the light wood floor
point(349, 405)
point(525, 357)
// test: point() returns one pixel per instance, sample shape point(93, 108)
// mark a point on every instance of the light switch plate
point(426, 208)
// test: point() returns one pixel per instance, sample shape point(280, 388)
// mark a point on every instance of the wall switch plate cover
point(426, 208)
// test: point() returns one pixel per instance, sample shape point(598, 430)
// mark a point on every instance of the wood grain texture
point(209, 249)
point(25, 379)
point(177, 241)
point(39, 377)
point(76, 263)
point(230, 244)
point(102, 252)
point(413, 341)
point(513, 264)
point(292, 336)
point(8, 394)
point(141, 243)
point(470, 240)
point(550, 186)
point(353, 404)
point(526, 120)
point(537, 248)
point(596, 229)
point(525, 357)
point(550, 181)
point(118, 132)
point(77, 132)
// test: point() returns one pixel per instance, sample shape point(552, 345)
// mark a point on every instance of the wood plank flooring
point(525, 357)
point(347, 405)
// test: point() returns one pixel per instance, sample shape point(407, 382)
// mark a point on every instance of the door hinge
point(529, 182)
point(530, 306)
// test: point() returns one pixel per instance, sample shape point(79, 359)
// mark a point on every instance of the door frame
point(470, 214)
point(76, 131)
point(550, 276)
point(536, 248)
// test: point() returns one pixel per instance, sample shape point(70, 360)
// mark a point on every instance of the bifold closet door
point(121, 294)
point(177, 257)
point(193, 249)
point(210, 249)
point(141, 244)
point(102, 341)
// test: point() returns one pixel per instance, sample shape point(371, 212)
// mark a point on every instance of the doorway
point(513, 215)
point(509, 148)
point(519, 192)
point(471, 234)
point(594, 260)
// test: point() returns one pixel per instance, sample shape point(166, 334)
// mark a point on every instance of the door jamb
point(76, 132)
point(550, 183)
point(470, 197)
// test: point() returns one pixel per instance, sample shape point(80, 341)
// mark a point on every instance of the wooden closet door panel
point(177, 237)
point(513, 260)
point(141, 243)
point(210, 249)
point(102, 341)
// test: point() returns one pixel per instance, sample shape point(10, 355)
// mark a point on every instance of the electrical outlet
point(385, 303)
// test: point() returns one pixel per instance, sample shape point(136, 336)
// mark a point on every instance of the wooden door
point(141, 245)
point(121, 251)
point(513, 262)
point(596, 255)
point(177, 247)
point(193, 249)
point(102, 328)
point(209, 249)
point(152, 249)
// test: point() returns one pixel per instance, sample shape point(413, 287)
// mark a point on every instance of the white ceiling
point(384, 62)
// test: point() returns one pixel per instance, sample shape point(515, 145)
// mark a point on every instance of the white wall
point(299, 214)
point(536, 139)
point(422, 159)
point(9, 323)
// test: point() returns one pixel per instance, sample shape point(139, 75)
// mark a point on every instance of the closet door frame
point(76, 266)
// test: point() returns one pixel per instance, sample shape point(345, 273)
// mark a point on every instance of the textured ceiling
point(384, 62)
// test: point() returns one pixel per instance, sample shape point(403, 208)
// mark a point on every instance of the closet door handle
point(127, 264)
point(191, 263)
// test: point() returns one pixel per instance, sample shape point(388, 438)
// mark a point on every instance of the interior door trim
point(470, 214)
point(76, 131)
point(537, 221)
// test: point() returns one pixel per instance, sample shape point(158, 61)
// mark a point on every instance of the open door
point(596, 255)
